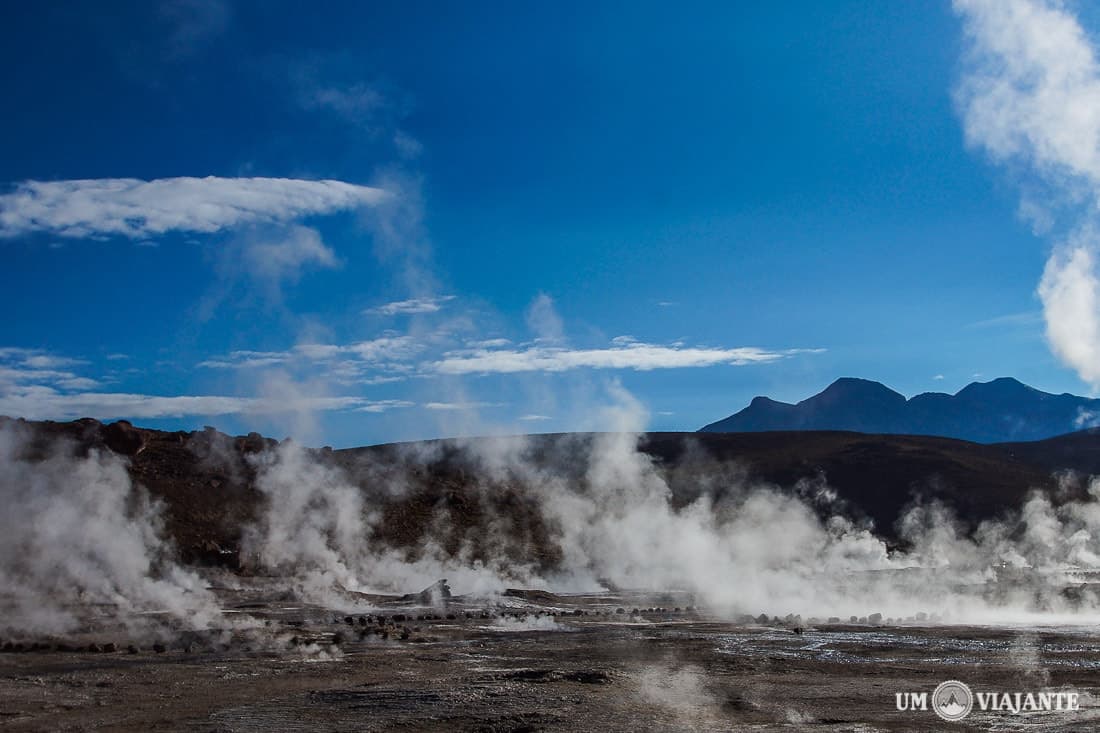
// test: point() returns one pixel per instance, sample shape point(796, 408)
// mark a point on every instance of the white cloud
point(21, 366)
point(45, 403)
point(1032, 90)
point(632, 355)
point(38, 385)
point(543, 319)
point(461, 405)
point(938, 377)
point(356, 103)
point(246, 360)
point(273, 260)
point(411, 306)
point(1026, 318)
point(139, 209)
point(382, 405)
point(1071, 295)
point(381, 350)
point(488, 343)
point(534, 418)
point(1031, 95)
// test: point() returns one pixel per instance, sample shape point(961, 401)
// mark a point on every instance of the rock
point(253, 443)
point(534, 595)
point(123, 438)
point(436, 594)
point(159, 648)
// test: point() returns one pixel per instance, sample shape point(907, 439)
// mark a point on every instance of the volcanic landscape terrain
point(283, 650)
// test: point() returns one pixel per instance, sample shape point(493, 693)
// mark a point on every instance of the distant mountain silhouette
point(984, 412)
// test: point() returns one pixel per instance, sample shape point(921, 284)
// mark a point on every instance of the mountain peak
point(856, 387)
point(1003, 409)
point(1000, 390)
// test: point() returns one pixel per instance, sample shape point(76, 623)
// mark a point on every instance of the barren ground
point(516, 667)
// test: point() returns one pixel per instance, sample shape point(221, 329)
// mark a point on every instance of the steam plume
point(1030, 97)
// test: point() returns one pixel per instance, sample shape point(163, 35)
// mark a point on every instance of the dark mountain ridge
point(1001, 410)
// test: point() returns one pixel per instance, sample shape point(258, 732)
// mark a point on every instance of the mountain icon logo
point(952, 700)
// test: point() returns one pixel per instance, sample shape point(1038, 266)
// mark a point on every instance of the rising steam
point(77, 538)
point(1030, 97)
point(755, 549)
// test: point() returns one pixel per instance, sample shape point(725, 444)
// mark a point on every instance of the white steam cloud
point(77, 537)
point(77, 533)
point(1031, 96)
point(741, 548)
point(136, 209)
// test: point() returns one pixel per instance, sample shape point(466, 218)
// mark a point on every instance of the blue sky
point(429, 219)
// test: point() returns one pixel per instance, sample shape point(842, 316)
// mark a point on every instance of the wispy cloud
point(38, 385)
point(1026, 318)
point(45, 403)
point(381, 350)
point(245, 359)
point(461, 405)
point(633, 355)
point(357, 103)
point(20, 367)
point(411, 306)
point(534, 418)
point(273, 260)
point(193, 23)
point(137, 209)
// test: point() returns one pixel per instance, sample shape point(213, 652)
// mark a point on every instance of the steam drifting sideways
point(1029, 98)
point(86, 547)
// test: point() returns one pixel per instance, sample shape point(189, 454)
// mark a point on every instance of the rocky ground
point(529, 662)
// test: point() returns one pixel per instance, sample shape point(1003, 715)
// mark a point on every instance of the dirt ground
point(555, 664)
